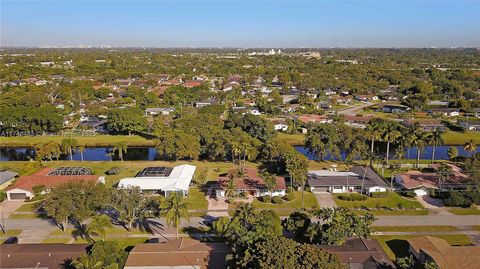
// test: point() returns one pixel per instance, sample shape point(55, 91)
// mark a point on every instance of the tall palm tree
point(122, 148)
point(373, 131)
point(176, 210)
point(470, 146)
point(269, 181)
point(420, 140)
point(436, 138)
point(81, 149)
point(391, 135)
point(444, 172)
point(98, 225)
point(246, 213)
point(69, 145)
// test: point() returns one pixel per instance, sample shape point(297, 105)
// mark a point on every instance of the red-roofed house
point(420, 182)
point(192, 83)
point(314, 118)
point(251, 183)
point(23, 188)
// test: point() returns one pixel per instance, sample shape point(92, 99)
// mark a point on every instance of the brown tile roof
point(178, 252)
point(415, 179)
point(361, 253)
point(192, 83)
point(41, 177)
point(251, 181)
point(312, 118)
point(444, 255)
point(39, 255)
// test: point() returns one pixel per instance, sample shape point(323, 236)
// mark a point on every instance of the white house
point(159, 110)
point(254, 111)
point(280, 127)
point(162, 179)
point(358, 179)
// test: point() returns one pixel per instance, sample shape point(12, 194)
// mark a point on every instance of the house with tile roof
point(251, 182)
point(428, 248)
point(49, 178)
point(178, 253)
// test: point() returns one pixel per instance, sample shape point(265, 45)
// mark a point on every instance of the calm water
point(150, 154)
point(411, 153)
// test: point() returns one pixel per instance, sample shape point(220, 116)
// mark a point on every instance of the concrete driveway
point(434, 205)
point(8, 207)
point(325, 199)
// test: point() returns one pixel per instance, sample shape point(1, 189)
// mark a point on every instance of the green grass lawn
point(11, 233)
point(287, 207)
point(23, 216)
point(92, 141)
point(459, 138)
point(465, 211)
point(293, 139)
point(117, 230)
point(196, 199)
point(393, 201)
point(396, 246)
point(419, 229)
point(28, 207)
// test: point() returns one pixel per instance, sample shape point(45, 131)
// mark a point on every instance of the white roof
point(328, 173)
point(178, 180)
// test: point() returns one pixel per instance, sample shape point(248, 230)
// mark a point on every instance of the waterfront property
point(250, 183)
point(360, 252)
point(178, 253)
point(357, 179)
point(420, 182)
point(46, 179)
point(433, 249)
point(162, 180)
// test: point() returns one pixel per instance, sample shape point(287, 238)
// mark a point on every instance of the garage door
point(421, 192)
point(18, 196)
point(320, 189)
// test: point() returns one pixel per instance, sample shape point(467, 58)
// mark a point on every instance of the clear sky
point(388, 23)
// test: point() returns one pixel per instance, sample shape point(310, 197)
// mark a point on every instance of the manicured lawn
point(392, 201)
point(23, 216)
point(293, 139)
point(287, 207)
point(319, 165)
point(11, 233)
point(418, 229)
point(396, 246)
point(28, 207)
point(92, 141)
point(196, 199)
point(465, 211)
point(459, 138)
point(113, 231)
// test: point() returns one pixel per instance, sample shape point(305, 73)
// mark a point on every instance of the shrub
point(379, 194)
point(308, 188)
point(3, 195)
point(456, 198)
point(352, 197)
point(289, 196)
point(39, 189)
point(244, 194)
point(266, 199)
point(410, 194)
point(290, 189)
point(277, 200)
point(113, 171)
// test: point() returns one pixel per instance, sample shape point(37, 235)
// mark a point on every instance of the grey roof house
point(6, 176)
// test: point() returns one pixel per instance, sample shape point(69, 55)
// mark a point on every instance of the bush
point(290, 189)
point(458, 199)
point(289, 196)
point(410, 194)
point(266, 199)
point(38, 189)
point(3, 195)
point(113, 171)
point(379, 194)
point(308, 188)
point(352, 197)
point(244, 194)
point(277, 200)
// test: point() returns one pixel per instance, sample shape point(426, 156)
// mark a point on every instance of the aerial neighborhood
point(181, 158)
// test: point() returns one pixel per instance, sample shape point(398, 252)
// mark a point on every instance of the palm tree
point(436, 138)
point(121, 147)
point(69, 145)
point(419, 140)
point(391, 135)
point(81, 149)
point(269, 181)
point(470, 146)
point(98, 225)
point(176, 210)
point(444, 171)
point(246, 213)
point(373, 131)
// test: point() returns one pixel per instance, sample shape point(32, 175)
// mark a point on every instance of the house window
point(377, 189)
point(337, 187)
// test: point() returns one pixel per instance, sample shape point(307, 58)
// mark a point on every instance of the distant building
point(427, 125)
point(153, 111)
point(395, 109)
point(445, 111)
point(307, 118)
point(471, 125)
point(280, 127)
point(192, 83)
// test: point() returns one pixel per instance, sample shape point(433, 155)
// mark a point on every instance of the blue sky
point(388, 23)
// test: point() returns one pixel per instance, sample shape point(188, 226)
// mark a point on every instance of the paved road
point(353, 110)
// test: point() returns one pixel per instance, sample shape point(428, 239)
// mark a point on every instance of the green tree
point(131, 204)
point(452, 152)
point(176, 209)
point(436, 138)
point(126, 121)
point(390, 135)
point(69, 145)
point(470, 147)
point(374, 131)
point(444, 172)
point(269, 180)
point(297, 168)
point(121, 148)
point(103, 254)
point(81, 149)
point(98, 225)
